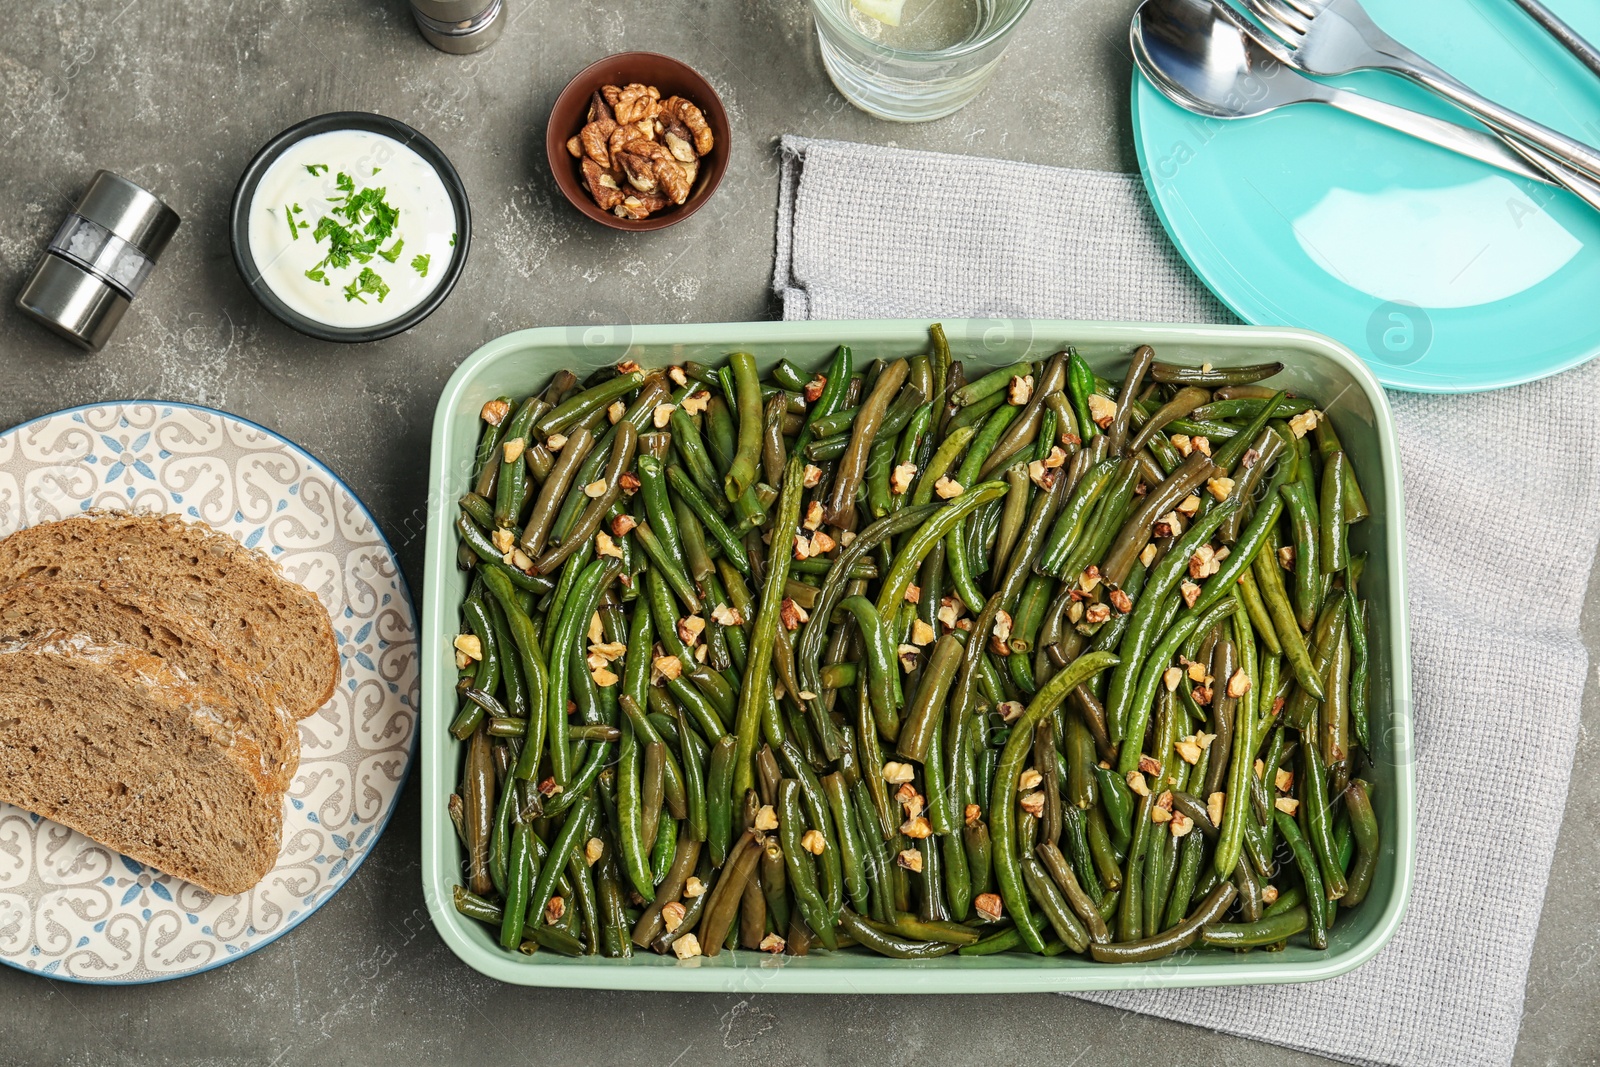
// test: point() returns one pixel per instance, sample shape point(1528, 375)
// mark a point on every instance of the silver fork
point(1331, 37)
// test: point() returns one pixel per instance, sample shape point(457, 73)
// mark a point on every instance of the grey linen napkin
point(1497, 578)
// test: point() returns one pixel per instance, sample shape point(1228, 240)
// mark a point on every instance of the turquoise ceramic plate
point(1445, 274)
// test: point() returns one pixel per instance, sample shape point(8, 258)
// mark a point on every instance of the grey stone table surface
point(178, 96)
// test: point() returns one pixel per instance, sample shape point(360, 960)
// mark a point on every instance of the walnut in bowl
point(637, 141)
point(639, 153)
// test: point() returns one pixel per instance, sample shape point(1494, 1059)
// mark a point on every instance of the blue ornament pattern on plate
point(76, 910)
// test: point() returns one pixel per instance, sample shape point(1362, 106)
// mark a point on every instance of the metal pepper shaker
point(460, 27)
point(98, 260)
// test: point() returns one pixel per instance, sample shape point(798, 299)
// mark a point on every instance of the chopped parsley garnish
point(294, 229)
point(376, 169)
point(452, 240)
point(315, 169)
point(392, 253)
point(420, 265)
point(318, 275)
point(367, 282)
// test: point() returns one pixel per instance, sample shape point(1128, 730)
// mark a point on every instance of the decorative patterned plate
point(75, 910)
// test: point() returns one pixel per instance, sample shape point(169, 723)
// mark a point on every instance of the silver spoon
point(1207, 62)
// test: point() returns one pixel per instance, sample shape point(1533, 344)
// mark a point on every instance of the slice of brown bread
point(109, 614)
point(109, 741)
point(264, 622)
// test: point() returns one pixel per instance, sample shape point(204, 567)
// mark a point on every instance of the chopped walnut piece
point(672, 915)
point(813, 476)
point(1286, 557)
point(693, 887)
point(895, 773)
point(913, 593)
point(1203, 564)
point(1120, 600)
point(726, 616)
point(1202, 694)
point(604, 678)
point(556, 442)
point(772, 943)
point(593, 849)
point(1304, 422)
point(989, 906)
point(511, 450)
point(792, 614)
point(677, 375)
point(802, 547)
point(1168, 525)
point(1269, 894)
point(948, 488)
point(1030, 780)
point(686, 947)
point(1136, 783)
point(1190, 593)
point(696, 403)
point(604, 546)
point(668, 667)
point(519, 559)
point(610, 651)
point(1188, 751)
point(1239, 684)
point(503, 539)
point(813, 842)
point(615, 412)
point(766, 818)
point(1202, 445)
point(1287, 805)
point(910, 859)
point(595, 489)
point(1089, 578)
point(663, 415)
point(1149, 764)
point(1214, 804)
point(917, 827)
point(911, 800)
point(1075, 612)
point(1197, 672)
point(494, 412)
point(623, 525)
point(948, 612)
point(1102, 409)
point(908, 657)
point(1181, 824)
point(548, 787)
point(1056, 459)
point(1159, 815)
point(1283, 780)
point(469, 646)
point(1182, 442)
point(1204, 739)
point(1040, 475)
point(1002, 625)
point(1032, 803)
point(1010, 710)
point(690, 627)
point(1219, 487)
point(1171, 677)
point(462, 662)
point(813, 517)
point(921, 633)
point(813, 389)
point(846, 536)
point(1020, 389)
point(972, 813)
point(1095, 614)
point(630, 484)
point(554, 910)
point(1188, 506)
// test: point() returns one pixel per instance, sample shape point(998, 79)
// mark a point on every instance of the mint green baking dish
point(1314, 366)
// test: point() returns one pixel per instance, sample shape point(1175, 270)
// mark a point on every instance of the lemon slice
point(885, 11)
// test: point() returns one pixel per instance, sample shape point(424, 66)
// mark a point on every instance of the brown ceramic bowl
point(649, 68)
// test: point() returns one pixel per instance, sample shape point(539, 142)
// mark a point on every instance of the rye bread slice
point(110, 742)
point(108, 614)
point(265, 623)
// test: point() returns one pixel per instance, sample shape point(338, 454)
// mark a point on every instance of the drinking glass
point(929, 66)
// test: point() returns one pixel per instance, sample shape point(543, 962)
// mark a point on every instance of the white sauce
point(426, 224)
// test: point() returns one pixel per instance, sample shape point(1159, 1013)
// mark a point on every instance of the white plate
point(75, 910)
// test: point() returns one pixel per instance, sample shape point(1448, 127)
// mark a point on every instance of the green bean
point(993, 382)
point(1025, 428)
point(841, 510)
point(1309, 874)
point(732, 547)
point(541, 520)
point(1176, 374)
point(765, 633)
point(1175, 939)
point(1234, 449)
point(1270, 580)
point(921, 722)
point(729, 891)
point(587, 403)
point(1265, 931)
point(831, 399)
point(747, 393)
point(1002, 799)
point(1334, 544)
point(1364, 830)
point(1080, 384)
point(1359, 670)
point(802, 873)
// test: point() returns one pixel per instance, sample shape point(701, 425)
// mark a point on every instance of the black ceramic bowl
point(239, 222)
